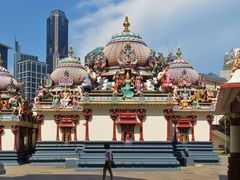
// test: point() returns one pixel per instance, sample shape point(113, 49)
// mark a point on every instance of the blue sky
point(203, 29)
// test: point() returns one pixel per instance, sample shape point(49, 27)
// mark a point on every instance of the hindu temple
point(156, 111)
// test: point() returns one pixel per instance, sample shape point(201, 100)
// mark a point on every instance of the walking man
point(108, 161)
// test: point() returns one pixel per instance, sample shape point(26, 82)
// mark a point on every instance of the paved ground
point(199, 172)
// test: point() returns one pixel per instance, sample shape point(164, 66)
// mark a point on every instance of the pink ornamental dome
point(179, 69)
point(72, 66)
point(6, 79)
point(115, 47)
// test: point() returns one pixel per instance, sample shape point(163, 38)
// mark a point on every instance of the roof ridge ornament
point(70, 52)
point(236, 64)
point(179, 53)
point(126, 24)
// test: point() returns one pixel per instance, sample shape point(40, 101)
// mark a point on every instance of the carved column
point(141, 115)
point(39, 120)
point(167, 115)
point(175, 120)
point(15, 130)
point(1, 133)
point(57, 121)
point(193, 122)
point(87, 115)
point(210, 121)
point(114, 116)
point(75, 120)
point(234, 159)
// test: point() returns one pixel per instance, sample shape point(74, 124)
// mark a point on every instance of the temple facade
point(127, 93)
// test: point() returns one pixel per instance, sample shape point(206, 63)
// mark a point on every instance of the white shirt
point(108, 155)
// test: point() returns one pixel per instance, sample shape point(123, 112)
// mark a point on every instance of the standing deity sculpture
point(138, 82)
point(127, 57)
point(100, 63)
point(201, 81)
point(91, 60)
point(117, 81)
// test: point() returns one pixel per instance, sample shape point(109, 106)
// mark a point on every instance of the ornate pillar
point(167, 115)
point(75, 120)
point(57, 121)
point(141, 114)
point(15, 130)
point(114, 116)
point(39, 120)
point(234, 159)
point(87, 115)
point(193, 121)
point(1, 133)
point(210, 120)
point(175, 121)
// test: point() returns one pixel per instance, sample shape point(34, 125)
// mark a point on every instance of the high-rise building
point(28, 69)
point(32, 72)
point(57, 38)
point(4, 53)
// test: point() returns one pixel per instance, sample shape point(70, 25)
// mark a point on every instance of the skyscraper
point(57, 38)
point(4, 53)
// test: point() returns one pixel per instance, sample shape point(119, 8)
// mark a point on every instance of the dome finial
point(126, 24)
point(1, 61)
point(179, 53)
point(70, 52)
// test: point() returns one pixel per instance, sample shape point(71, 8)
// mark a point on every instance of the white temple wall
point(101, 125)
point(201, 128)
point(7, 140)
point(155, 125)
point(49, 128)
point(81, 129)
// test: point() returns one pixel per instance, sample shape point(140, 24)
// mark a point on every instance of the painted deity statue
point(87, 81)
point(201, 81)
point(55, 101)
point(166, 84)
point(101, 63)
point(128, 88)
point(127, 57)
point(155, 63)
point(138, 82)
point(117, 81)
point(66, 98)
point(91, 60)
point(13, 102)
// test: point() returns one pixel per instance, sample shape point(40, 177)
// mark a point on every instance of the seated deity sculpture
point(166, 84)
point(66, 98)
point(13, 102)
point(87, 82)
point(128, 87)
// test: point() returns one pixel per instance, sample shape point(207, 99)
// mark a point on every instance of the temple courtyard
point(197, 172)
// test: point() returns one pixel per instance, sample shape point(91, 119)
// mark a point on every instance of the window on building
point(34, 67)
